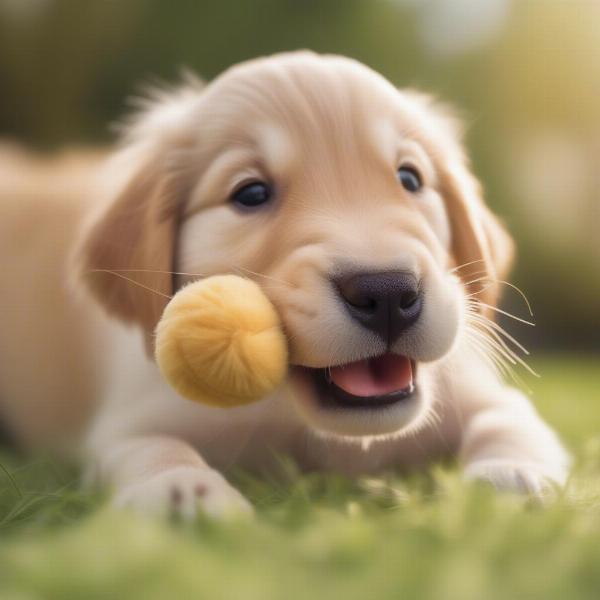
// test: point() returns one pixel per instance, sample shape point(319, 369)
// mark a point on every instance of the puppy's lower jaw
point(370, 397)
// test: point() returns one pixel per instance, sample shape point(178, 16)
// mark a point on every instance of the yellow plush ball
point(220, 342)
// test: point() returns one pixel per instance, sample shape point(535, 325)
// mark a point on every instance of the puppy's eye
point(252, 195)
point(410, 179)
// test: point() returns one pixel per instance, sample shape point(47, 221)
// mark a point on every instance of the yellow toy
point(220, 342)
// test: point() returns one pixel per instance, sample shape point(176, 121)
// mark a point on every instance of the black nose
point(387, 303)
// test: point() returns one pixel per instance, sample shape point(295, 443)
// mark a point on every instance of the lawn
point(324, 537)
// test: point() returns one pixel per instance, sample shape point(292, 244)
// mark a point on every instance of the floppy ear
point(482, 249)
point(126, 255)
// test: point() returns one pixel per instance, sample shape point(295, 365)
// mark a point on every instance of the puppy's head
point(349, 201)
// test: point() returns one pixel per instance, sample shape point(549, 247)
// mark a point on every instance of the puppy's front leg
point(506, 443)
point(162, 475)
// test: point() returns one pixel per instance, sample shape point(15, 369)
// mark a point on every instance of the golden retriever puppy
point(353, 205)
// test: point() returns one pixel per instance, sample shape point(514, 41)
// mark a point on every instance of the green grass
point(322, 536)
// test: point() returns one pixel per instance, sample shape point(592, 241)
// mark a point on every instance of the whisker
point(501, 281)
point(484, 278)
point(494, 362)
point(114, 271)
point(488, 330)
point(433, 419)
point(276, 279)
point(465, 265)
point(483, 289)
point(514, 287)
point(160, 272)
point(519, 290)
point(488, 352)
point(117, 274)
point(501, 330)
point(507, 314)
point(512, 356)
point(496, 345)
point(495, 331)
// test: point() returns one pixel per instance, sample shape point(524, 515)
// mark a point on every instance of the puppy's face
point(350, 203)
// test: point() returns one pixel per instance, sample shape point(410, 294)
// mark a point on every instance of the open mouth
point(366, 384)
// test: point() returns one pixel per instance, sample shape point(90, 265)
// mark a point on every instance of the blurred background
point(525, 73)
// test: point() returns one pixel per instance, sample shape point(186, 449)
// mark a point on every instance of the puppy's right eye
point(252, 195)
point(410, 179)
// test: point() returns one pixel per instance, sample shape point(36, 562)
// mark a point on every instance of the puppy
point(353, 205)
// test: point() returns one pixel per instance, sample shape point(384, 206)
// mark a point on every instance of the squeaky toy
point(220, 342)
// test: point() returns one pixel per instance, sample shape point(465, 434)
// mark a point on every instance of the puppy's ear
point(127, 253)
point(127, 256)
point(482, 249)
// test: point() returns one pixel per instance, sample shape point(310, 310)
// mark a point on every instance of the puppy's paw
point(514, 476)
point(183, 492)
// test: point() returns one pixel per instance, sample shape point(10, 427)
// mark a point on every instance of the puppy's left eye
point(252, 195)
point(410, 179)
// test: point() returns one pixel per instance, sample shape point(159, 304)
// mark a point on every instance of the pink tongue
point(374, 376)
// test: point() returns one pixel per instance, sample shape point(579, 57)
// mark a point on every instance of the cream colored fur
point(329, 134)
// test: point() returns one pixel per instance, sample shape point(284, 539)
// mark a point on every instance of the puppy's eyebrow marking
point(408, 148)
point(267, 152)
point(384, 137)
point(275, 146)
point(219, 173)
point(392, 145)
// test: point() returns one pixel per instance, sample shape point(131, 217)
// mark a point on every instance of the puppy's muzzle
point(387, 303)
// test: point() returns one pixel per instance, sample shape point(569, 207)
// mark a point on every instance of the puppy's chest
point(260, 435)
point(263, 440)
